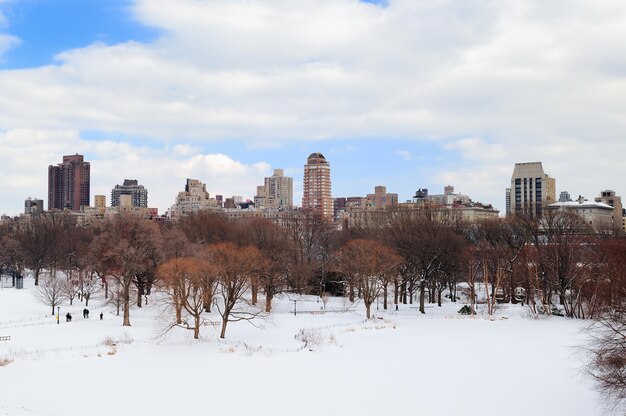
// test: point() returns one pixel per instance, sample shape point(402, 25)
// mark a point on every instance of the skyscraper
point(532, 190)
point(138, 194)
point(68, 183)
point(317, 198)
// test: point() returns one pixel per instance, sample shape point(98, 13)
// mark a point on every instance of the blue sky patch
point(48, 27)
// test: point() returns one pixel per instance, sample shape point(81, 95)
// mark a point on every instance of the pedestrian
point(86, 313)
point(68, 317)
point(101, 315)
point(396, 306)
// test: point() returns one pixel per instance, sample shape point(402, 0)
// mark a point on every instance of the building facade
point(597, 215)
point(33, 206)
point(69, 183)
point(317, 197)
point(381, 199)
point(138, 194)
point(609, 198)
point(532, 189)
point(276, 192)
point(193, 199)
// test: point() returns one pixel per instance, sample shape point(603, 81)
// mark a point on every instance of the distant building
point(69, 183)
point(449, 198)
point(380, 198)
point(608, 197)
point(138, 194)
point(100, 203)
point(317, 198)
point(193, 199)
point(597, 215)
point(33, 206)
point(531, 189)
point(565, 197)
point(276, 192)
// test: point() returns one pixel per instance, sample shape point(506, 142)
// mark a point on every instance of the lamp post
point(58, 313)
point(295, 310)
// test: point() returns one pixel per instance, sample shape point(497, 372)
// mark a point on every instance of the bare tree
point(608, 356)
point(51, 292)
point(366, 263)
point(234, 267)
point(184, 280)
point(127, 246)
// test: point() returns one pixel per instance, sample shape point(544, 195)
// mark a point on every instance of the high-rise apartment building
point(532, 190)
point(138, 194)
point(68, 183)
point(277, 191)
point(317, 198)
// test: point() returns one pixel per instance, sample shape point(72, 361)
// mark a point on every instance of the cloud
point(511, 81)
point(26, 154)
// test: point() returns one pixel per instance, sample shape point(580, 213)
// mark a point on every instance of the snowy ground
point(401, 364)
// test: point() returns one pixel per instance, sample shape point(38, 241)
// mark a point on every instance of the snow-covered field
point(397, 364)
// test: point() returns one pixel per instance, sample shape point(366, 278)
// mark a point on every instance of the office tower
point(532, 190)
point(317, 198)
point(68, 183)
point(138, 194)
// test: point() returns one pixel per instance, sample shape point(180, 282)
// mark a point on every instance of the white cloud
point(515, 81)
point(26, 154)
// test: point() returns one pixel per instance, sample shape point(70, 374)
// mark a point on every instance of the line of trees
point(207, 264)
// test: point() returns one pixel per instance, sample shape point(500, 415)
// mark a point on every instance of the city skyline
point(396, 93)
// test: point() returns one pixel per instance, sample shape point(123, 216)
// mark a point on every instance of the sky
point(404, 93)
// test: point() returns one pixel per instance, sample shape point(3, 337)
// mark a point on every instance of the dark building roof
point(316, 155)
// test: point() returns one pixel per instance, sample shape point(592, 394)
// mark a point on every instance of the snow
point(439, 363)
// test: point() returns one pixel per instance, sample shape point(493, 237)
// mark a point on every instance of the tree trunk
point(140, 292)
point(255, 294)
point(439, 297)
point(351, 292)
point(126, 306)
point(179, 315)
point(385, 296)
point(367, 310)
point(268, 303)
point(422, 294)
point(207, 298)
point(37, 271)
point(395, 291)
point(86, 297)
point(196, 328)
point(224, 323)
point(106, 288)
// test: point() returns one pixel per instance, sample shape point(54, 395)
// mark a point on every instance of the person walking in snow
point(85, 313)
point(101, 315)
point(68, 317)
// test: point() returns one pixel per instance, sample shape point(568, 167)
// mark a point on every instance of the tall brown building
point(317, 197)
point(68, 183)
